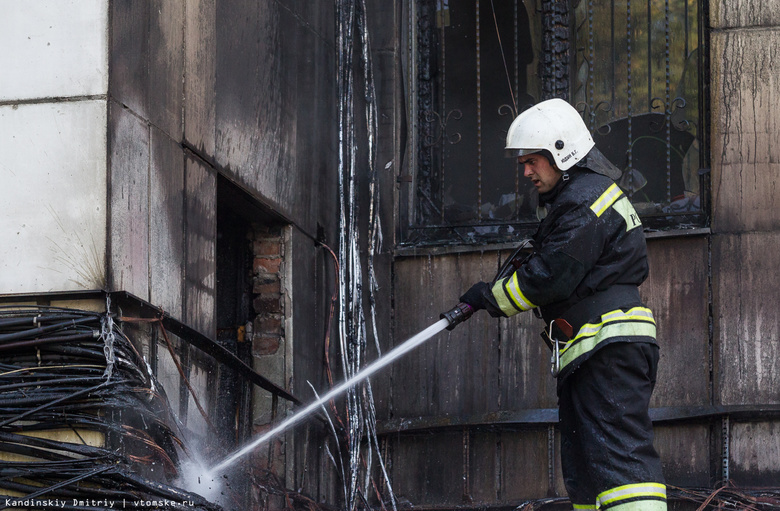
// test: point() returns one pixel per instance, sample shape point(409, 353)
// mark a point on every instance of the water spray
point(449, 320)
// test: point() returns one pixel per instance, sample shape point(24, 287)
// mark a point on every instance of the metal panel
point(417, 305)
point(383, 19)
point(313, 281)
point(472, 468)
point(249, 93)
point(455, 372)
point(129, 57)
point(745, 152)
point(297, 120)
point(754, 450)
point(504, 362)
point(129, 198)
point(53, 48)
point(147, 61)
point(319, 15)
point(428, 469)
point(168, 375)
point(166, 66)
point(200, 246)
point(484, 364)
point(747, 318)
point(483, 480)
point(524, 465)
point(525, 379)
point(275, 110)
point(199, 377)
point(685, 453)
point(200, 74)
point(166, 224)
point(677, 293)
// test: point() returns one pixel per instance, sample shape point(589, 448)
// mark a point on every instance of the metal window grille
point(634, 70)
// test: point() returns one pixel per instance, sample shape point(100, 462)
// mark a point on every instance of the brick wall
point(268, 357)
point(268, 330)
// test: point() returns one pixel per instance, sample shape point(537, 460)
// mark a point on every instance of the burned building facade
point(267, 195)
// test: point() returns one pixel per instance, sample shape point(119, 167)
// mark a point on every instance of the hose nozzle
point(457, 314)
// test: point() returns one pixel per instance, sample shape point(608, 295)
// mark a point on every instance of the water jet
point(298, 416)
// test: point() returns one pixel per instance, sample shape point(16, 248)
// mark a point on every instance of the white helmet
point(553, 125)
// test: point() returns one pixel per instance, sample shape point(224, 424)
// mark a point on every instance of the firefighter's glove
point(476, 296)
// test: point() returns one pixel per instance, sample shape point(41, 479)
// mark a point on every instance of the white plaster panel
point(52, 196)
point(53, 48)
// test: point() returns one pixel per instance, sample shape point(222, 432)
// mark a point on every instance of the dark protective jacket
point(589, 258)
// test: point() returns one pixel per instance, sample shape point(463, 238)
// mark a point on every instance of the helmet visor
point(514, 152)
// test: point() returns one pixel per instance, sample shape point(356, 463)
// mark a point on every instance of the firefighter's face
point(538, 169)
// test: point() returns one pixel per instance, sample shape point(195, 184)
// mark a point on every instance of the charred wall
point(241, 92)
point(246, 90)
point(470, 416)
point(746, 230)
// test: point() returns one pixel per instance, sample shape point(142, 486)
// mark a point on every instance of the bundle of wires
point(83, 423)
point(725, 497)
point(728, 497)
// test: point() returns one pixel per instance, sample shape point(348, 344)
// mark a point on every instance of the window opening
point(637, 83)
point(250, 320)
point(633, 70)
point(234, 271)
point(469, 89)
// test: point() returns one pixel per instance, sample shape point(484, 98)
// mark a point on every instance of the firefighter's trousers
point(607, 452)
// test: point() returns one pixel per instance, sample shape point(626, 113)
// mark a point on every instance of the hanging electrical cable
point(82, 418)
point(360, 410)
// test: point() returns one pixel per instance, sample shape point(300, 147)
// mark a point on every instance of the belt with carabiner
point(556, 335)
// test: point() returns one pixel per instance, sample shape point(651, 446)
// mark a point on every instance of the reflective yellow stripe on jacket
point(614, 198)
point(634, 497)
point(607, 199)
point(636, 321)
point(510, 297)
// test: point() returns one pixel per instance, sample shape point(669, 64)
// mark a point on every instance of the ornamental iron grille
point(634, 70)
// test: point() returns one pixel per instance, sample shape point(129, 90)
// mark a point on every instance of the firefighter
point(589, 257)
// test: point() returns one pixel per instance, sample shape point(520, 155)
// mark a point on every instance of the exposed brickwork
point(265, 265)
point(268, 247)
point(268, 350)
point(265, 344)
point(268, 327)
point(264, 288)
point(268, 304)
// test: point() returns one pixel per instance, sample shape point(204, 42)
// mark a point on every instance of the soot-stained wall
point(201, 90)
point(470, 416)
point(247, 90)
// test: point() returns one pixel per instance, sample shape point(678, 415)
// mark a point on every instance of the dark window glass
point(631, 68)
point(637, 83)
